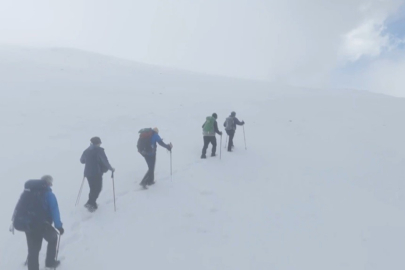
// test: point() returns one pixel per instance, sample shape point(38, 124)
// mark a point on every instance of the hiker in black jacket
point(230, 128)
point(96, 164)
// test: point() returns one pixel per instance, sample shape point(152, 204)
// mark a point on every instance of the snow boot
point(143, 185)
point(213, 155)
point(203, 156)
point(53, 264)
point(91, 207)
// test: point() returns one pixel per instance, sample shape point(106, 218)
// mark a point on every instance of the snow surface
point(319, 187)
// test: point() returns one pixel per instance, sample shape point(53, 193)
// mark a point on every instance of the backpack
point(209, 124)
point(229, 123)
point(144, 142)
point(30, 212)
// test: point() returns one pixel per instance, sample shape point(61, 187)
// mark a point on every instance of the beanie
point(48, 179)
point(95, 140)
point(215, 115)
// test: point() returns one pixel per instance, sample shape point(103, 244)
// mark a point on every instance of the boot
point(203, 156)
point(53, 264)
point(91, 206)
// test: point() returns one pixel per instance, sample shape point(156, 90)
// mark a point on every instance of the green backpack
point(209, 124)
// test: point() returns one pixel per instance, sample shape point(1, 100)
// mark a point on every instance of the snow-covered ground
point(319, 187)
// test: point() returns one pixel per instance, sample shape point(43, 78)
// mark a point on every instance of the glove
point(169, 147)
point(112, 169)
point(243, 122)
point(220, 133)
point(61, 231)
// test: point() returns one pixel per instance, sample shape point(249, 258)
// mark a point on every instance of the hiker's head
point(233, 113)
point(95, 141)
point(155, 129)
point(215, 115)
point(48, 179)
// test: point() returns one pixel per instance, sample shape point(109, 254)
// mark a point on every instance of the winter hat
point(215, 115)
point(233, 113)
point(95, 140)
point(155, 129)
point(48, 179)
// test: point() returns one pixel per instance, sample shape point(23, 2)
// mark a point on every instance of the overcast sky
point(317, 43)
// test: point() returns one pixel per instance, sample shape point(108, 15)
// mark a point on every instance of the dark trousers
point(34, 241)
point(207, 141)
point(96, 185)
point(231, 134)
point(149, 177)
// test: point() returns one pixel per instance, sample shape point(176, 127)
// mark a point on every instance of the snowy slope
point(320, 186)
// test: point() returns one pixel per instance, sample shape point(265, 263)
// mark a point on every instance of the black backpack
point(30, 212)
point(144, 142)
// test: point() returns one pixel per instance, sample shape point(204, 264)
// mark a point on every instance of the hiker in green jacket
point(210, 127)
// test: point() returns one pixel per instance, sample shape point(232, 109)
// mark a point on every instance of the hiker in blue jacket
point(43, 227)
point(96, 164)
point(147, 147)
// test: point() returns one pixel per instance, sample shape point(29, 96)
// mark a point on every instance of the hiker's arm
point(104, 160)
point(216, 128)
point(53, 205)
point(83, 158)
point(239, 123)
point(161, 143)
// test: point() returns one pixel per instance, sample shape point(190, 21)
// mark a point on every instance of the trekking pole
point(226, 141)
point(80, 192)
point(171, 164)
point(112, 177)
point(220, 149)
point(57, 250)
point(244, 136)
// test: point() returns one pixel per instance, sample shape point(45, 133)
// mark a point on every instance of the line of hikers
point(210, 128)
point(37, 209)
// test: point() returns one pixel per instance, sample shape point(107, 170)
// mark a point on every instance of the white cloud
point(366, 40)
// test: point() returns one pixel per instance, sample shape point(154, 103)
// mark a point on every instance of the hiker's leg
point(214, 145)
point(34, 242)
point(206, 143)
point(51, 236)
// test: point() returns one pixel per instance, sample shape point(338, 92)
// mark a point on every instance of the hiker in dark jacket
point(210, 128)
point(230, 128)
point(44, 229)
point(96, 164)
point(150, 156)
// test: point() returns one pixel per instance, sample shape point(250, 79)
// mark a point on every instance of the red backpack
point(144, 141)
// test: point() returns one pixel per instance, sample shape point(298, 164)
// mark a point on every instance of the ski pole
point(57, 250)
point(80, 192)
point(244, 136)
point(220, 149)
point(112, 177)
